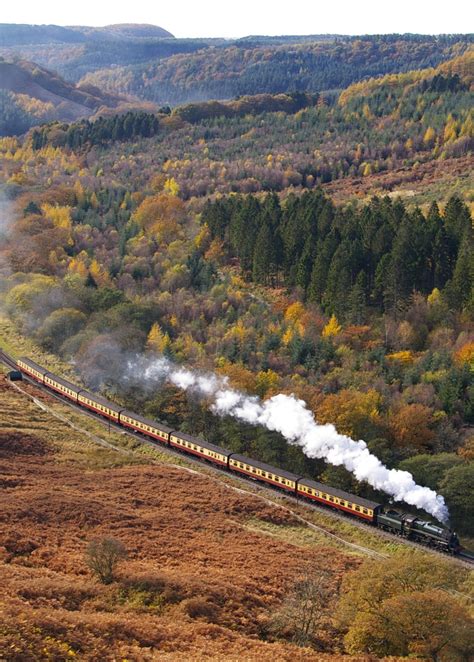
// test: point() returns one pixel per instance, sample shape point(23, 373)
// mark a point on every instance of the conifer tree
point(460, 288)
point(263, 257)
point(357, 299)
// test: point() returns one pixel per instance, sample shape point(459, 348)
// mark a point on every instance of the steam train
point(401, 524)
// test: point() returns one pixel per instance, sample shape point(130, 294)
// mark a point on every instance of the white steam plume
point(6, 222)
point(290, 417)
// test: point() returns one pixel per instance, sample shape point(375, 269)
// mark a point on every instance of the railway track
point(7, 360)
point(464, 558)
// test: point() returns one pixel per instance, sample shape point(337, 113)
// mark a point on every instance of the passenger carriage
point(146, 426)
point(264, 472)
point(200, 448)
point(335, 498)
point(32, 369)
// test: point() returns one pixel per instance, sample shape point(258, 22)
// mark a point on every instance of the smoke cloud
point(290, 417)
point(5, 227)
point(6, 221)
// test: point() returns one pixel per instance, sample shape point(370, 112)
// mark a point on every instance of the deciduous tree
point(412, 426)
point(102, 557)
point(304, 609)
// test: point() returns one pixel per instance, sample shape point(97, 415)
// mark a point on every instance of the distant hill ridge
point(124, 31)
point(13, 34)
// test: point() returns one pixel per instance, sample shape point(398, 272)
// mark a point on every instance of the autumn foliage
point(162, 216)
point(403, 607)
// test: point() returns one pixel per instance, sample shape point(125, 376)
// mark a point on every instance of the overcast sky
point(238, 18)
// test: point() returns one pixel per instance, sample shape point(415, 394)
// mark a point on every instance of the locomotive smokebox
point(15, 376)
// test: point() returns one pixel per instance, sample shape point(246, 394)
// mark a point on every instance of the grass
point(425, 195)
point(15, 344)
point(349, 532)
point(18, 345)
point(300, 536)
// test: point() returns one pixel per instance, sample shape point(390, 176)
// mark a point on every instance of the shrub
point(200, 608)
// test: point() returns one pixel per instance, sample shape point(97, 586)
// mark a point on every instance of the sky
point(239, 18)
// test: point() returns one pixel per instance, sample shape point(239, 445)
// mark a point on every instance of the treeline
point(124, 127)
point(440, 83)
point(139, 124)
point(247, 105)
point(347, 259)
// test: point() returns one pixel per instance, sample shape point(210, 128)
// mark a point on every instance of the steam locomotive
point(402, 524)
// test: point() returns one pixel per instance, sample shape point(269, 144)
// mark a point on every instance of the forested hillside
point(76, 50)
point(409, 132)
point(249, 67)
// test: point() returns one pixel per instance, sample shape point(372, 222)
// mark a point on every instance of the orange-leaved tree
point(161, 215)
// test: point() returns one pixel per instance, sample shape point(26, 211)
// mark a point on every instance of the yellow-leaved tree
point(429, 137)
point(294, 316)
point(59, 215)
point(78, 265)
point(332, 328)
point(266, 380)
point(171, 187)
point(157, 340)
point(435, 297)
point(294, 312)
point(99, 273)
